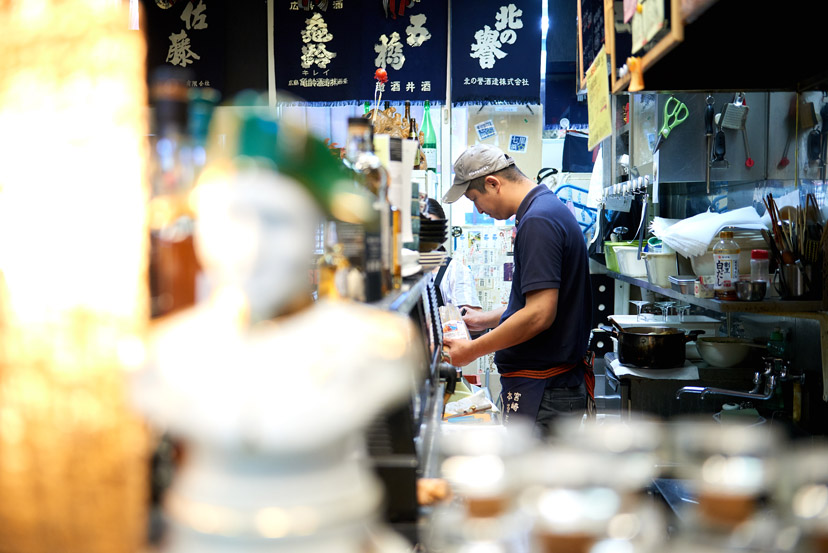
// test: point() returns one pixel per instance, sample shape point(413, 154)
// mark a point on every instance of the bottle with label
point(414, 135)
point(429, 139)
point(173, 267)
point(333, 268)
point(726, 266)
point(372, 175)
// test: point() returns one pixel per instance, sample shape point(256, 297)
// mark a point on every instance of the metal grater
point(735, 113)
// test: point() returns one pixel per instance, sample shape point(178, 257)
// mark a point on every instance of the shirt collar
point(527, 201)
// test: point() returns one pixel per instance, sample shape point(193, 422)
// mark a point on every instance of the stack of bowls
point(433, 232)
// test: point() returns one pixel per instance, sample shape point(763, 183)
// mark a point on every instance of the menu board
point(590, 34)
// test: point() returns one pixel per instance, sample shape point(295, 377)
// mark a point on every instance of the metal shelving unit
point(783, 308)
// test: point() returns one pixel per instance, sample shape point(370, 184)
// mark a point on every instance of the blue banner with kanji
point(188, 34)
point(495, 51)
point(327, 51)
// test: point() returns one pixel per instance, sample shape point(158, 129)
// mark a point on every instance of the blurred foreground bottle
point(429, 139)
point(370, 173)
point(174, 163)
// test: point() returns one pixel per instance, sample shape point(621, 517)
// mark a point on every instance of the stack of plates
point(432, 233)
point(430, 260)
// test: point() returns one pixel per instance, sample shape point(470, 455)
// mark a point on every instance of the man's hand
point(459, 352)
point(477, 320)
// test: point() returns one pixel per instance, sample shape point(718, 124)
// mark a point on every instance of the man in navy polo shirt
point(541, 337)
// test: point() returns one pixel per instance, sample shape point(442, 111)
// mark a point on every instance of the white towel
point(692, 236)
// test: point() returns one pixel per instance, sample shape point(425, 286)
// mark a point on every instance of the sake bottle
point(429, 139)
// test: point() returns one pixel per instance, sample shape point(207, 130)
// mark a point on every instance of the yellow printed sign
point(598, 106)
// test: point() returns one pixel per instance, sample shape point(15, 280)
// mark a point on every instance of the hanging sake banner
point(188, 34)
point(409, 39)
point(495, 51)
point(327, 51)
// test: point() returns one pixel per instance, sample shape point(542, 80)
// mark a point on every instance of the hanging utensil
point(719, 141)
point(675, 112)
point(791, 129)
point(642, 230)
point(709, 113)
point(823, 113)
point(736, 114)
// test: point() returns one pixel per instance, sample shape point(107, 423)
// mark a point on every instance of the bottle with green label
point(429, 139)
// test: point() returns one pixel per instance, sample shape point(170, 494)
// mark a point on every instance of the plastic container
point(628, 264)
point(726, 266)
point(760, 268)
point(609, 253)
point(660, 267)
point(682, 283)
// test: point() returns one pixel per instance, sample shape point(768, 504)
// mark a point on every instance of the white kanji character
point(417, 34)
point(507, 16)
point(466, 81)
point(195, 18)
point(517, 396)
point(294, 6)
point(395, 86)
point(515, 407)
point(509, 396)
point(316, 30)
point(381, 87)
point(179, 52)
point(409, 86)
point(316, 54)
point(524, 82)
point(487, 47)
point(389, 51)
point(502, 82)
point(206, 83)
point(425, 86)
point(337, 4)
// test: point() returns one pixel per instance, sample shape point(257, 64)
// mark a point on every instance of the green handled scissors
point(675, 112)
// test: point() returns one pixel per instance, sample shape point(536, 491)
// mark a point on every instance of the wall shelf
point(771, 307)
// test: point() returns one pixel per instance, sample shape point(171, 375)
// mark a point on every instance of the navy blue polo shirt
point(550, 252)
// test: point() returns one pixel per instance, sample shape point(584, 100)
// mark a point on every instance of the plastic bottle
point(429, 139)
point(760, 267)
point(776, 343)
point(726, 266)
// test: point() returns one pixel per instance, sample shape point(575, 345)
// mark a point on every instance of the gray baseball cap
point(477, 161)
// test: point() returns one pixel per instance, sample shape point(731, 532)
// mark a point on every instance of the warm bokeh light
point(73, 264)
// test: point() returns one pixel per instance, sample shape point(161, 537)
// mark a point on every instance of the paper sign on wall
point(517, 143)
point(485, 130)
point(598, 107)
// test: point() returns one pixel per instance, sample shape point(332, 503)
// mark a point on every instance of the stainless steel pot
point(651, 347)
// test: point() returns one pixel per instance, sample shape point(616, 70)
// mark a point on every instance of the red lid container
point(759, 254)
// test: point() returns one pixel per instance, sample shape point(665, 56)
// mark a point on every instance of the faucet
point(764, 382)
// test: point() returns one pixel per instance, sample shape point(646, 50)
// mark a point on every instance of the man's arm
point(536, 316)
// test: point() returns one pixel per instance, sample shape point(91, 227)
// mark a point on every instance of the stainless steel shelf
point(787, 307)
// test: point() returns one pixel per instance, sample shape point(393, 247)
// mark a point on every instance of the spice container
point(760, 267)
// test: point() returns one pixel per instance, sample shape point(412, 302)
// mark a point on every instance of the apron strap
point(438, 279)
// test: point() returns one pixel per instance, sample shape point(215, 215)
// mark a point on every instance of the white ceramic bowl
point(723, 352)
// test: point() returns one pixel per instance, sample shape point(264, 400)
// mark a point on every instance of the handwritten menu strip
point(598, 106)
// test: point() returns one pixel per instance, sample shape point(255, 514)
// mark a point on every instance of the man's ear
point(494, 182)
